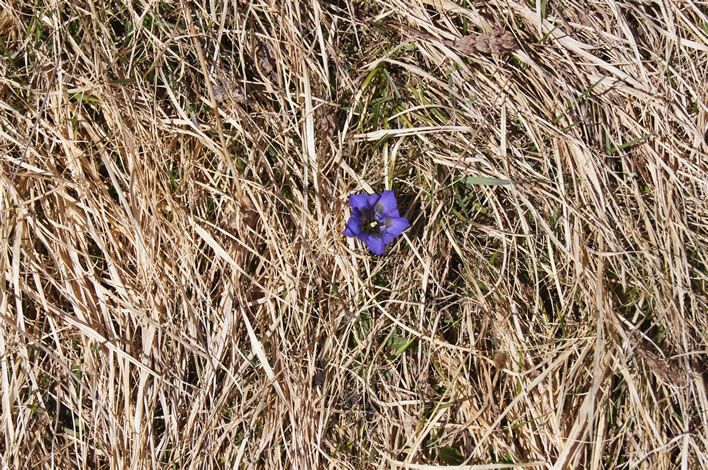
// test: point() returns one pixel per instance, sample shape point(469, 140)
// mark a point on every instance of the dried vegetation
point(177, 293)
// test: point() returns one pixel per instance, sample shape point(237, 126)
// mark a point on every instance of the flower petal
point(360, 201)
point(353, 225)
point(375, 243)
point(396, 227)
point(387, 204)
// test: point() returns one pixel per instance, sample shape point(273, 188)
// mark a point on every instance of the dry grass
point(177, 292)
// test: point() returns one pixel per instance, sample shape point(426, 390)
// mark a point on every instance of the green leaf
point(85, 98)
point(401, 344)
point(484, 181)
point(633, 142)
point(451, 456)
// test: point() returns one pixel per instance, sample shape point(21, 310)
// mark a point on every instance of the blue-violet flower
point(375, 220)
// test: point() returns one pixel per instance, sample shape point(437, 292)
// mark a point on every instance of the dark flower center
point(373, 222)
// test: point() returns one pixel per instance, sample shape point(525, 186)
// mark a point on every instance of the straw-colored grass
point(177, 292)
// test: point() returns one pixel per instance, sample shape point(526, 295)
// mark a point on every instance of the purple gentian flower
point(375, 220)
